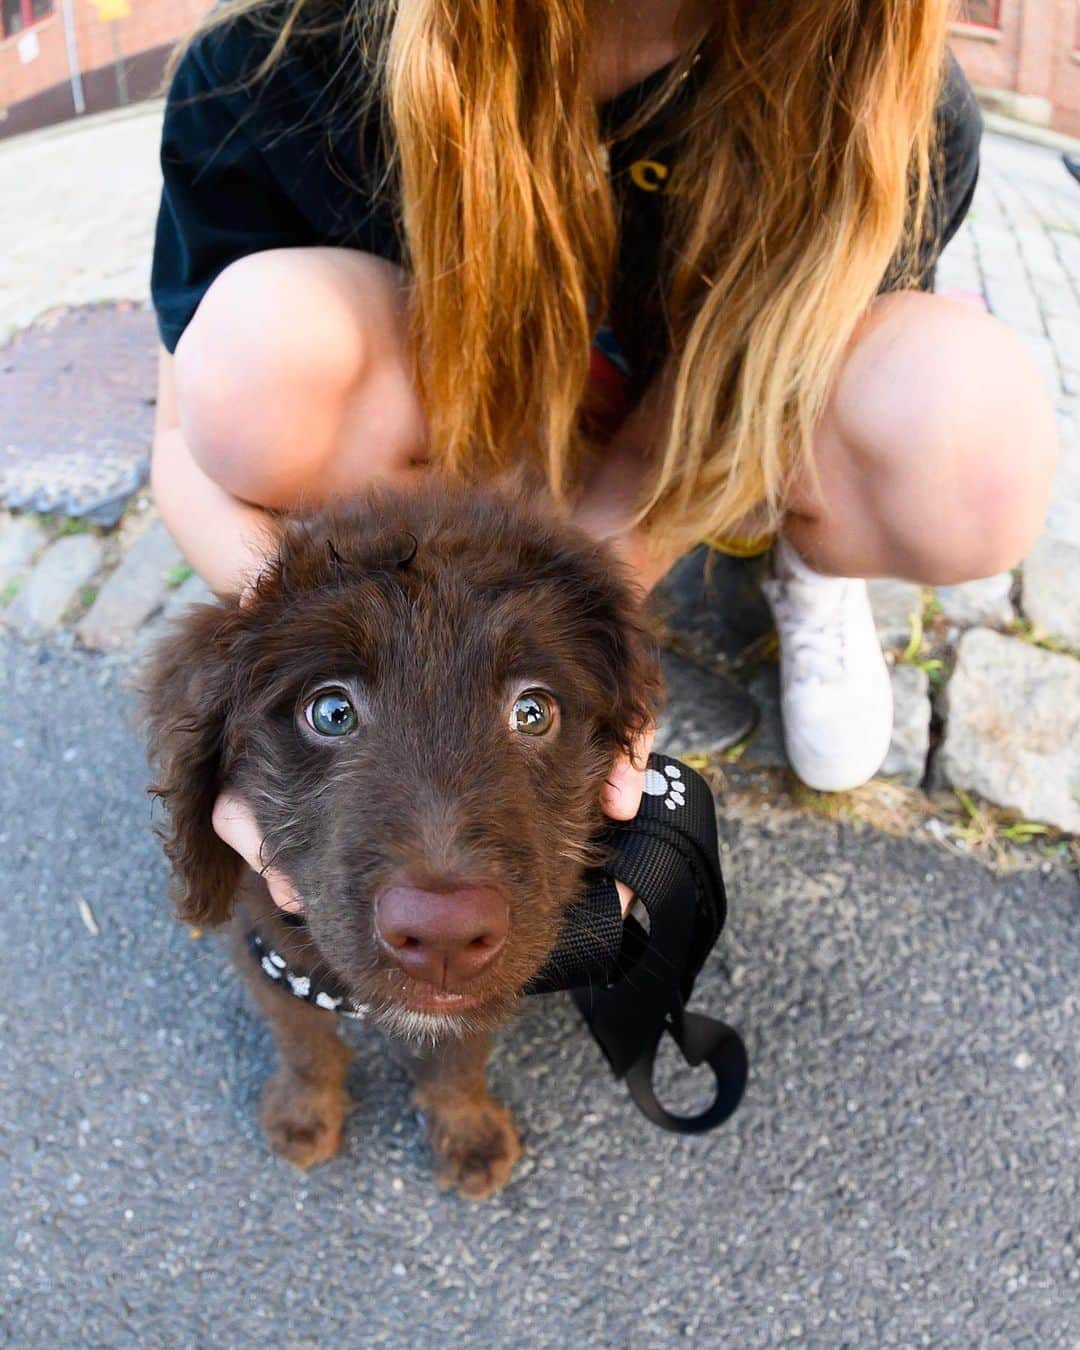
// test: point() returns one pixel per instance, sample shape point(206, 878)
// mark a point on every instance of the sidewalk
point(987, 684)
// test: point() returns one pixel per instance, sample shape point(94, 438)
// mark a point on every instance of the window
point(20, 14)
point(984, 13)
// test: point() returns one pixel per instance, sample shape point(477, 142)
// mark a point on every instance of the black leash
point(631, 985)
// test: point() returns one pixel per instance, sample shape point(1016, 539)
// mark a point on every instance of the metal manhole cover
point(77, 411)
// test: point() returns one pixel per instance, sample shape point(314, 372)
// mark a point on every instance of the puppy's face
point(420, 703)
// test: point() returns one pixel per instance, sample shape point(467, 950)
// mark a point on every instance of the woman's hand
point(621, 796)
point(234, 822)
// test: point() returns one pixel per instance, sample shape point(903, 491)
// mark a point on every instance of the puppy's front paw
point(302, 1121)
point(476, 1146)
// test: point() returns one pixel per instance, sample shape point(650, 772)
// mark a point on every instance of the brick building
point(59, 58)
point(1023, 56)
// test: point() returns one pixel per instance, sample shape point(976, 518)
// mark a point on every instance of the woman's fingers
point(234, 822)
point(620, 796)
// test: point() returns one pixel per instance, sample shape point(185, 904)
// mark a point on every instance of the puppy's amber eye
point(331, 714)
point(533, 713)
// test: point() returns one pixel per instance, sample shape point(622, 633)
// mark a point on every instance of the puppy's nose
point(444, 938)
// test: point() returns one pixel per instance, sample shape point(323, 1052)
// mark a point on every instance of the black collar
point(320, 991)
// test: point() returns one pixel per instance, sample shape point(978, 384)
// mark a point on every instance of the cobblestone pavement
point(1005, 726)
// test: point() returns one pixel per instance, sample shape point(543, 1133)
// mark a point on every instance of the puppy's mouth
point(417, 998)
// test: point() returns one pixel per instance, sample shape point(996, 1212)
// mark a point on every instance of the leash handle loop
point(703, 1040)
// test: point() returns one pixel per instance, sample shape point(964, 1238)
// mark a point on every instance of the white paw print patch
point(668, 785)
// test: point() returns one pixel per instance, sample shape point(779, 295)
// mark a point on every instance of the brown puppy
point(420, 701)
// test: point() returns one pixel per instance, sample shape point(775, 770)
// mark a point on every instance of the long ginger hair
point(804, 176)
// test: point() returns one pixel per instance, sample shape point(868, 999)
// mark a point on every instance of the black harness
point(631, 985)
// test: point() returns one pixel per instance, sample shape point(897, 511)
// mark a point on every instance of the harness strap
point(589, 942)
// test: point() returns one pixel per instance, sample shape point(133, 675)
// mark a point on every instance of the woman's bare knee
point(286, 351)
point(939, 449)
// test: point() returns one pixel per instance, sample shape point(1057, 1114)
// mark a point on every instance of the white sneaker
point(835, 690)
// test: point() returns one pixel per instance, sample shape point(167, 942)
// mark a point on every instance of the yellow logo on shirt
point(651, 175)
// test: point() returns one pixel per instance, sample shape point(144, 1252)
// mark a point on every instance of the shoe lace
point(813, 629)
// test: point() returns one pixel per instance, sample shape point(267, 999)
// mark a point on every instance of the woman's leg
point(290, 387)
point(934, 460)
point(935, 454)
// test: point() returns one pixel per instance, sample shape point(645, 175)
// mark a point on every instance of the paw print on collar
point(668, 785)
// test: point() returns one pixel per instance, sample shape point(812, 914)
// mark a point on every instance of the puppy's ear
point(621, 650)
point(631, 648)
point(186, 693)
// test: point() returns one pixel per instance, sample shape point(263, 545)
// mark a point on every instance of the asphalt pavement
point(903, 1171)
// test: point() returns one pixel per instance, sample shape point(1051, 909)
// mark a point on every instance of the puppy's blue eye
point(331, 714)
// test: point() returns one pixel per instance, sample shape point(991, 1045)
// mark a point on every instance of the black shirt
point(279, 162)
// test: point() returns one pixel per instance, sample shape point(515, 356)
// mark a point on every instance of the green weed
point(178, 574)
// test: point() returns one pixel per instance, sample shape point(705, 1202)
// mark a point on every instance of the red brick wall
point(18, 81)
point(991, 56)
point(1032, 52)
point(152, 24)
point(1065, 69)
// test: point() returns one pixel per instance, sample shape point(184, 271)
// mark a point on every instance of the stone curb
point(132, 593)
point(1029, 132)
point(149, 108)
point(54, 585)
point(1012, 730)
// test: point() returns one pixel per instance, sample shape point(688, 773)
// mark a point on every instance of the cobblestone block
point(988, 207)
point(999, 254)
point(1014, 303)
point(1063, 515)
point(1023, 210)
point(54, 584)
point(704, 712)
point(1012, 732)
point(962, 244)
point(983, 603)
point(1042, 353)
point(766, 748)
point(958, 274)
point(1051, 587)
point(1065, 335)
point(910, 742)
point(1067, 246)
point(1056, 302)
point(20, 540)
point(135, 591)
point(893, 603)
point(192, 591)
point(1040, 257)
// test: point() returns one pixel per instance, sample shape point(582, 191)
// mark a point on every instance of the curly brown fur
point(430, 608)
